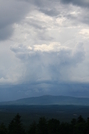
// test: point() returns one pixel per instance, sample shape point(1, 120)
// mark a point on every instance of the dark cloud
point(50, 12)
point(62, 8)
point(6, 32)
point(14, 92)
point(83, 3)
point(48, 7)
point(11, 12)
point(42, 68)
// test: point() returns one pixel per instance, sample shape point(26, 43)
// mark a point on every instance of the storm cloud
point(75, 2)
point(44, 45)
point(11, 12)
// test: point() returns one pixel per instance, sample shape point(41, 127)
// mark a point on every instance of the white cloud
point(49, 61)
point(54, 46)
point(45, 44)
point(85, 33)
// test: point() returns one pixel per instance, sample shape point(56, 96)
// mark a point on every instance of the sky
point(44, 48)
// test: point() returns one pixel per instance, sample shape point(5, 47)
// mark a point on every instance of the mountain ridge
point(49, 100)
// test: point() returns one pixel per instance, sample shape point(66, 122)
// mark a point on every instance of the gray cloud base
point(14, 11)
point(11, 12)
point(83, 3)
point(43, 70)
point(48, 65)
point(15, 92)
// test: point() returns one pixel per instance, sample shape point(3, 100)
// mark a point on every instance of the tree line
point(44, 126)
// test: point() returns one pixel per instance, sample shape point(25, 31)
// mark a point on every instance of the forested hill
point(49, 100)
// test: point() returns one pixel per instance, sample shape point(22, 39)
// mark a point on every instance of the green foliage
point(3, 129)
point(15, 126)
point(80, 119)
point(53, 126)
point(33, 128)
point(44, 126)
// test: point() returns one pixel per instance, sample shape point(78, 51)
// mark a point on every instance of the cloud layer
point(43, 42)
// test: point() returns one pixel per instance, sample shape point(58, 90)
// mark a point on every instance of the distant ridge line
point(49, 100)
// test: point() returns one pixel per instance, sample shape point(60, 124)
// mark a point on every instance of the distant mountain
point(49, 100)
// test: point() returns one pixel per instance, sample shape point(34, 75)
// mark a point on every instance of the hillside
point(49, 100)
